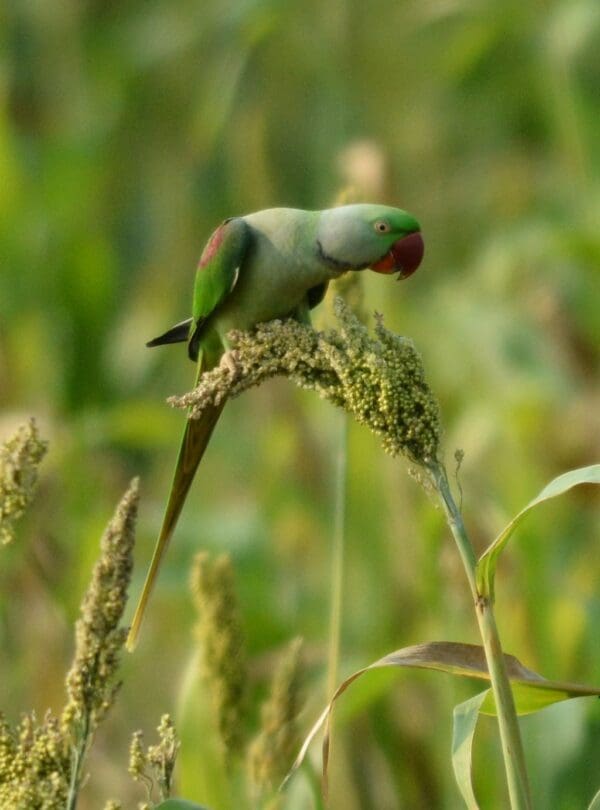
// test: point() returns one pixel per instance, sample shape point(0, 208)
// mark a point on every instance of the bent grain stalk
point(380, 380)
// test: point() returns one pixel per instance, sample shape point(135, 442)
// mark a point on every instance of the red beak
point(405, 255)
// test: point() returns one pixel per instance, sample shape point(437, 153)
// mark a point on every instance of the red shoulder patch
point(212, 246)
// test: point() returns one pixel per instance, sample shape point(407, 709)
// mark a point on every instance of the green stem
point(510, 735)
point(337, 557)
point(79, 751)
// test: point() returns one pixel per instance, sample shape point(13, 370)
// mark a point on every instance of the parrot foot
point(228, 362)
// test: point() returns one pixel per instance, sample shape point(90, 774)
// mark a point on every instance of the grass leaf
point(465, 722)
point(531, 691)
point(486, 567)
point(595, 803)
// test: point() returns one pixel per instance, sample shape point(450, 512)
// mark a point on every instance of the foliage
point(126, 132)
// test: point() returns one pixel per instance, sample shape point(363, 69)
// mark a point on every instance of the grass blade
point(486, 567)
point(531, 691)
point(595, 803)
point(465, 722)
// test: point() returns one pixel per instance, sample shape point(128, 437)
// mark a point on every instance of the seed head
point(156, 764)
point(19, 459)
point(379, 380)
point(91, 685)
point(223, 655)
point(34, 764)
point(271, 753)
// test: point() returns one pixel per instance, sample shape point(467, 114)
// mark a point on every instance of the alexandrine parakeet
point(272, 264)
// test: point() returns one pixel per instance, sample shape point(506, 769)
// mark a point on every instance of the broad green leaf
point(595, 803)
point(465, 722)
point(179, 804)
point(486, 567)
point(531, 691)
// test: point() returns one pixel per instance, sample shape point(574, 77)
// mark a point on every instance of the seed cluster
point(155, 764)
point(99, 639)
point(19, 460)
point(35, 764)
point(274, 748)
point(219, 632)
point(40, 762)
point(380, 380)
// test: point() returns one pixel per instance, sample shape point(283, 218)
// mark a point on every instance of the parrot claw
point(228, 361)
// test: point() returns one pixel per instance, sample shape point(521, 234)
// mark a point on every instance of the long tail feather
point(196, 436)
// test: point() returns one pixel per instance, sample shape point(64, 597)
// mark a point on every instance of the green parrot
point(271, 264)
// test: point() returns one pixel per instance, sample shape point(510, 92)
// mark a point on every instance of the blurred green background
point(127, 132)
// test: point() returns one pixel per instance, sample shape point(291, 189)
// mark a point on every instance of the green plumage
point(271, 264)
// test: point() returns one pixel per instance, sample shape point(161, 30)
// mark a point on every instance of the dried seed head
point(221, 638)
point(38, 766)
point(137, 757)
point(162, 756)
point(35, 762)
point(91, 685)
point(155, 764)
point(380, 380)
point(271, 753)
point(19, 459)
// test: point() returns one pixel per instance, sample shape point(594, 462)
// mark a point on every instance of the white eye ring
point(381, 226)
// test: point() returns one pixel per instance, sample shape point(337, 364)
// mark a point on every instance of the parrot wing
point(218, 273)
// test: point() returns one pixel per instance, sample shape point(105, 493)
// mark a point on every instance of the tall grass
point(126, 133)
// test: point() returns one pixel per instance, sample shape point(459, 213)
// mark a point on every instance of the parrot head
point(384, 239)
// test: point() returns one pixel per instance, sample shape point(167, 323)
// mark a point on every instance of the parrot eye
point(382, 227)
